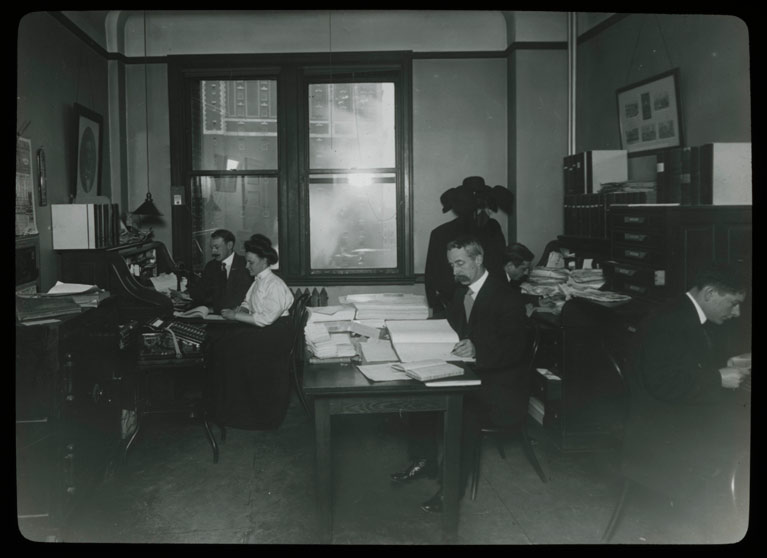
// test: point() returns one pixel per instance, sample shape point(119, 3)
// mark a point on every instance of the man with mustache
point(491, 324)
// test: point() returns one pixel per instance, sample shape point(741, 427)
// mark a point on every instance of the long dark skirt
point(249, 380)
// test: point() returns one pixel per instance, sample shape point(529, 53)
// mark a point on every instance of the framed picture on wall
point(648, 114)
point(88, 129)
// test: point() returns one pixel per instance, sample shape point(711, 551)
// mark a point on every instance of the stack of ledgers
point(388, 306)
point(581, 279)
point(544, 282)
point(322, 344)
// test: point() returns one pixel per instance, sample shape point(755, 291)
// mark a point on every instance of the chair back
point(534, 333)
point(299, 314)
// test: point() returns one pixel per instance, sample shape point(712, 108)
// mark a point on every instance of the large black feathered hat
point(474, 194)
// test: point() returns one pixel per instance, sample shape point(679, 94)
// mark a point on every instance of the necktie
point(468, 302)
point(223, 269)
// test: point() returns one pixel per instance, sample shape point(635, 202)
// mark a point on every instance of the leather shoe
point(416, 470)
point(433, 504)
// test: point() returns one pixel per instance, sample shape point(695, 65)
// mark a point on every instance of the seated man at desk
point(687, 434)
point(517, 263)
point(249, 363)
point(225, 280)
point(491, 325)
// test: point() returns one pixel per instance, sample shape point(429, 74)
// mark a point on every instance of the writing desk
point(341, 389)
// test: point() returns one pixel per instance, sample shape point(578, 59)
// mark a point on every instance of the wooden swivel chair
point(299, 315)
point(520, 431)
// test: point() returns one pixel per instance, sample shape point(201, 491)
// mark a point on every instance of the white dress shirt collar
point(476, 285)
point(698, 309)
point(228, 262)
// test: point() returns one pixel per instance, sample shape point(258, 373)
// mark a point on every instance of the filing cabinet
point(655, 250)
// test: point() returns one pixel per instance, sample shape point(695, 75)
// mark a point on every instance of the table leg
point(451, 463)
point(323, 468)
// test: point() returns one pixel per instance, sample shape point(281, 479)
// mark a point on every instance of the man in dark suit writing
point(687, 435)
point(225, 280)
point(491, 324)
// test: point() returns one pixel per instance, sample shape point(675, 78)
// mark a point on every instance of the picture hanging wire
point(636, 44)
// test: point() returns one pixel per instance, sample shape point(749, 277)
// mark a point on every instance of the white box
point(726, 170)
point(73, 225)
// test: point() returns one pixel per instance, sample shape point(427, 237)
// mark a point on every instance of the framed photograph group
point(88, 127)
point(649, 113)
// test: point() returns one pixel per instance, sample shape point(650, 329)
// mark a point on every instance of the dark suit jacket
point(438, 276)
point(498, 329)
point(211, 291)
point(680, 437)
point(675, 359)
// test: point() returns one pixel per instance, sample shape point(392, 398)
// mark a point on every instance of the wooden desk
point(341, 389)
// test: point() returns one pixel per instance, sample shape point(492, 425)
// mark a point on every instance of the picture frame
point(88, 153)
point(649, 114)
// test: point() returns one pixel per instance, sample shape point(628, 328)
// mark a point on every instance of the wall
point(537, 143)
point(459, 130)
point(712, 54)
point(55, 70)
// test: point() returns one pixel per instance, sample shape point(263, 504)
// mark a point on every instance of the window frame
point(293, 74)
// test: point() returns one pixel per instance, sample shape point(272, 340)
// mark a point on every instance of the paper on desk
point(381, 372)
point(378, 351)
point(70, 288)
point(164, 282)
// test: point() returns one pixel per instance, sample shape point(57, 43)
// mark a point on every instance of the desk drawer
point(638, 255)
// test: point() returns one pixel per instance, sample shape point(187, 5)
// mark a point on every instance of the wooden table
point(341, 389)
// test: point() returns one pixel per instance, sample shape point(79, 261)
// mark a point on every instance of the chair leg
point(527, 446)
point(617, 512)
point(475, 469)
point(299, 391)
point(499, 444)
point(210, 437)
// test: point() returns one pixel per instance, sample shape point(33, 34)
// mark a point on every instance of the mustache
point(460, 278)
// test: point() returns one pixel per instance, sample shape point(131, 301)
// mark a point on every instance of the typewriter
point(164, 339)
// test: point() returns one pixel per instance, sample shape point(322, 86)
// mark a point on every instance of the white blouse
point(267, 299)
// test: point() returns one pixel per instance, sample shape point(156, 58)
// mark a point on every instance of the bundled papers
point(331, 313)
point(323, 344)
point(388, 306)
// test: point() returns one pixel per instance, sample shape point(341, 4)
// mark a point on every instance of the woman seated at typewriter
point(249, 364)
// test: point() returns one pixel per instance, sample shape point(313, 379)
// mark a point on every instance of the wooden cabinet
point(67, 415)
point(656, 250)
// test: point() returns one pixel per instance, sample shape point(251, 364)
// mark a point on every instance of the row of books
point(85, 225)
point(586, 214)
point(709, 174)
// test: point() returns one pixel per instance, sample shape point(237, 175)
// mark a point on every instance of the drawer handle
point(639, 254)
point(634, 236)
point(636, 288)
point(633, 219)
point(625, 271)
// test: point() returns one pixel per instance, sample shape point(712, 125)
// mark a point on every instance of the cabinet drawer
point(639, 238)
point(638, 255)
point(637, 288)
point(639, 275)
point(648, 222)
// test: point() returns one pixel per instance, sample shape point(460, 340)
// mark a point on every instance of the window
point(317, 160)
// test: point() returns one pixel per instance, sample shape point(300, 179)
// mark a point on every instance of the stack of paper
point(388, 306)
point(327, 345)
point(331, 313)
point(586, 278)
point(415, 340)
point(431, 369)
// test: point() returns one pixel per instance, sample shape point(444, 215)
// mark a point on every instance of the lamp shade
point(147, 208)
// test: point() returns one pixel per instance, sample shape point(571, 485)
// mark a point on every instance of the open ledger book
point(426, 370)
point(198, 312)
point(416, 340)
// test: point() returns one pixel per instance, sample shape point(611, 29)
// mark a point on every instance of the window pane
point(235, 125)
point(242, 204)
point(351, 125)
point(353, 220)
